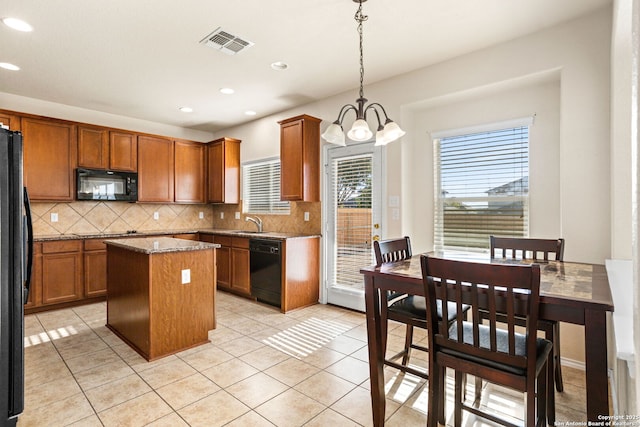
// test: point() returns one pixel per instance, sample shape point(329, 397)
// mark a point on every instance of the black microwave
point(96, 184)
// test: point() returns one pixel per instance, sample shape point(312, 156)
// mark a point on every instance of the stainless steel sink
point(249, 232)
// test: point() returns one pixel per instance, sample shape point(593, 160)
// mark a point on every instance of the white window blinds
point(261, 188)
point(482, 187)
point(352, 202)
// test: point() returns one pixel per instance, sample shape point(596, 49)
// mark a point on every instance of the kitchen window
point(481, 185)
point(261, 188)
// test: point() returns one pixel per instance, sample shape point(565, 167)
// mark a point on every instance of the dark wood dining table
point(570, 292)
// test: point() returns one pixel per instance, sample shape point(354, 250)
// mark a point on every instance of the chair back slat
point(525, 248)
point(392, 250)
point(511, 290)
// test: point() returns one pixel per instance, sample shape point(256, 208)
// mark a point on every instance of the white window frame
point(439, 202)
point(267, 191)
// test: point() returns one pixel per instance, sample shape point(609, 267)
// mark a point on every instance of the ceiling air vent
point(226, 42)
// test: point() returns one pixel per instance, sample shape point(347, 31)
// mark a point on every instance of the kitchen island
point(161, 293)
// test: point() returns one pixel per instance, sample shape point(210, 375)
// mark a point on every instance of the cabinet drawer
point(61, 246)
point(95, 245)
point(222, 240)
point(240, 242)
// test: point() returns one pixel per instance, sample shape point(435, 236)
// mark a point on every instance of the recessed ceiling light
point(186, 109)
point(250, 113)
point(17, 24)
point(279, 65)
point(8, 66)
point(227, 90)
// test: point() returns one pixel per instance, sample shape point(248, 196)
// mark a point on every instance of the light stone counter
point(154, 245)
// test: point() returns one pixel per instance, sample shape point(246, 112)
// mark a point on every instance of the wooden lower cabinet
point(95, 268)
point(62, 271)
point(232, 262)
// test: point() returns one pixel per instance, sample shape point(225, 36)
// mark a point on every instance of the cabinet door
point(291, 183)
point(50, 157)
point(93, 148)
point(155, 169)
point(123, 151)
point(189, 172)
point(8, 119)
point(223, 267)
point(95, 268)
point(223, 164)
point(61, 277)
point(240, 270)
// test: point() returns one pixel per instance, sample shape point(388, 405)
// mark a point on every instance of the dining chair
point(401, 307)
point(485, 350)
point(537, 250)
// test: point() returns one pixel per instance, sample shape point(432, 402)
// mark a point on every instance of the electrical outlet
point(156, 245)
point(221, 215)
point(201, 215)
point(186, 276)
point(395, 214)
point(306, 216)
point(54, 217)
point(156, 215)
point(237, 215)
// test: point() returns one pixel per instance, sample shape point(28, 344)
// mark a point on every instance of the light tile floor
point(262, 368)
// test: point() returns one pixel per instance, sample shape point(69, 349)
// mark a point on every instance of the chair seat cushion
point(543, 347)
point(416, 306)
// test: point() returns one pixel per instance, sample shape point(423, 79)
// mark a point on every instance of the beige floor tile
point(324, 387)
point(139, 411)
point(230, 372)
point(90, 421)
point(187, 390)
point(91, 360)
point(45, 372)
point(351, 369)
point(291, 371)
point(222, 335)
point(264, 358)
point(346, 345)
point(256, 389)
point(242, 345)
point(356, 405)
point(329, 417)
point(290, 408)
point(117, 392)
point(50, 392)
point(250, 419)
point(215, 410)
point(207, 357)
point(167, 373)
point(406, 416)
point(71, 348)
point(323, 358)
point(63, 411)
point(102, 374)
point(171, 420)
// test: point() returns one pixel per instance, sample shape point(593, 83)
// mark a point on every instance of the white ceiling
point(143, 59)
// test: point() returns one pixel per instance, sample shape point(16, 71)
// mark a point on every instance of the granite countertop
point(154, 245)
point(239, 233)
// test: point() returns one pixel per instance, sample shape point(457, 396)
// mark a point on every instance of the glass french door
point(353, 195)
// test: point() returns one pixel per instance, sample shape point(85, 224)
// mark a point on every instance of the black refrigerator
point(16, 254)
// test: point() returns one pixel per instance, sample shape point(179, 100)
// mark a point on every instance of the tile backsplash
point(119, 217)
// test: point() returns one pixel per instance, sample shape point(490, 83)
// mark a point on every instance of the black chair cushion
point(543, 347)
point(416, 306)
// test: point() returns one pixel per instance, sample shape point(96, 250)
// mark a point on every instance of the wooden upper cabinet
point(300, 159)
point(11, 120)
point(189, 172)
point(223, 164)
point(50, 158)
point(99, 148)
point(155, 169)
point(93, 147)
point(123, 151)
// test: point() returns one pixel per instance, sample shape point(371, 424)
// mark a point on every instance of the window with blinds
point(261, 188)
point(482, 187)
point(352, 204)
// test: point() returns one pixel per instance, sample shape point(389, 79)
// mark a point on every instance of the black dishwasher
point(266, 270)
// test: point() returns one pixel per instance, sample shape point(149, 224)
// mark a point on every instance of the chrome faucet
point(257, 221)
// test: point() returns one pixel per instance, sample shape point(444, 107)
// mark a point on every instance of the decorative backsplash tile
point(119, 217)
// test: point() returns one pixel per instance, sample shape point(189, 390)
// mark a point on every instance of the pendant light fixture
point(386, 133)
